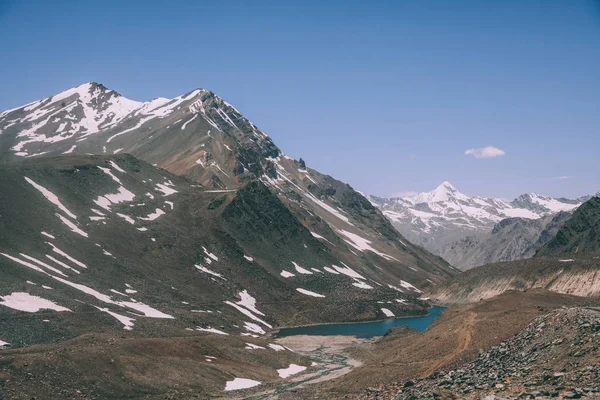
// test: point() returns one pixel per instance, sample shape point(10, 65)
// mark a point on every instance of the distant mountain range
point(568, 263)
point(448, 222)
point(510, 239)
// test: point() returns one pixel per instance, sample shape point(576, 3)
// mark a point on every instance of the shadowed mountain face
point(581, 234)
point(510, 239)
point(223, 233)
point(445, 219)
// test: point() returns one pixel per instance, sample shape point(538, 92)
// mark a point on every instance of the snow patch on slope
point(25, 302)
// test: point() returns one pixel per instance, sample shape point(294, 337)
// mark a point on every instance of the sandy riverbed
point(330, 361)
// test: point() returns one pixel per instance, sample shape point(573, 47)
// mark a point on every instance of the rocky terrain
point(259, 210)
point(577, 277)
point(202, 137)
point(171, 237)
point(581, 235)
point(556, 356)
point(494, 345)
point(110, 231)
point(456, 338)
point(115, 365)
point(470, 231)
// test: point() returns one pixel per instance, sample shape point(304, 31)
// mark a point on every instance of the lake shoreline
point(275, 334)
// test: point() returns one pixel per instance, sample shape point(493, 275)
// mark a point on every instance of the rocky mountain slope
point(223, 236)
point(579, 235)
point(439, 219)
point(196, 134)
point(569, 263)
point(556, 356)
point(147, 250)
point(511, 239)
point(201, 136)
point(577, 276)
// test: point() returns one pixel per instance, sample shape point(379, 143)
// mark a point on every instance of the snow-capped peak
point(444, 192)
point(431, 219)
point(447, 185)
point(81, 90)
point(90, 117)
point(541, 204)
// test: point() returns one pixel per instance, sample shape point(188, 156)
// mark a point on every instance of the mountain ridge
point(567, 263)
point(580, 234)
point(437, 219)
point(234, 183)
point(510, 239)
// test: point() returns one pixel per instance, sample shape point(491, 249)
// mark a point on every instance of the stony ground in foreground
point(556, 356)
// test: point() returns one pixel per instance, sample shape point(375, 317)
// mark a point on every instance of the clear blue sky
point(385, 95)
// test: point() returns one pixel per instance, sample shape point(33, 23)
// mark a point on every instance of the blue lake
point(364, 329)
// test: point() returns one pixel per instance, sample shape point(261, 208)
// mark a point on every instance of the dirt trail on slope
point(457, 335)
point(465, 337)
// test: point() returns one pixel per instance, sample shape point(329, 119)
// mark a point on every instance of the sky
point(498, 97)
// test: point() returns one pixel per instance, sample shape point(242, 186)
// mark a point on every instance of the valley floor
point(531, 344)
point(330, 360)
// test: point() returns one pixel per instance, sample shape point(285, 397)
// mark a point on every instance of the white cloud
point(561, 178)
point(485, 152)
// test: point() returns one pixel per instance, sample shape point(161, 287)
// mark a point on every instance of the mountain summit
point(204, 223)
point(444, 192)
point(91, 119)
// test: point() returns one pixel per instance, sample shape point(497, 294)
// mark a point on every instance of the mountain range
point(150, 249)
point(510, 239)
point(178, 224)
point(186, 193)
point(568, 263)
point(464, 230)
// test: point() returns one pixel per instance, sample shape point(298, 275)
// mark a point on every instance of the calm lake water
point(365, 329)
